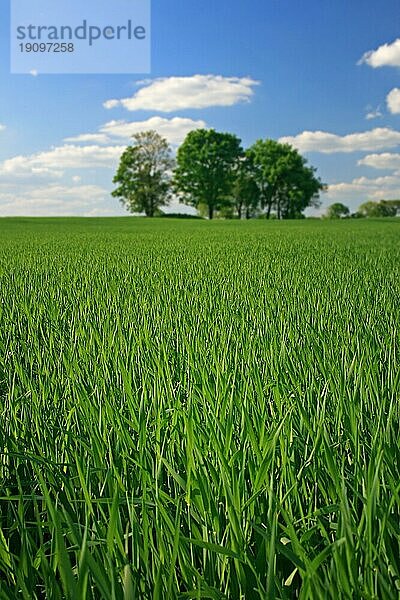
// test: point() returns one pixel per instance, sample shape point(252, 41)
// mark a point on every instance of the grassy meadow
point(193, 409)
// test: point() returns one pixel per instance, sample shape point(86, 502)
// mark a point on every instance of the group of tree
point(370, 209)
point(213, 173)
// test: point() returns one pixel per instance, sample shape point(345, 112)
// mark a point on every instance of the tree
point(246, 194)
point(143, 175)
point(384, 208)
point(286, 184)
point(394, 204)
point(205, 171)
point(337, 211)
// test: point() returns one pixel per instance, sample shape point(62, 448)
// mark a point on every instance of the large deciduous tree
point(205, 171)
point(337, 211)
point(286, 183)
point(144, 173)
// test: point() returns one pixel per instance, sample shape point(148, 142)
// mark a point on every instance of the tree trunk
point(239, 212)
point(269, 210)
point(210, 211)
point(248, 213)
point(149, 210)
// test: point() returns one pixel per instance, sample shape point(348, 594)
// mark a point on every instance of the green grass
point(199, 410)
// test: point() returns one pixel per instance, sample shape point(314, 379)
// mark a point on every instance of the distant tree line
point(370, 209)
point(213, 173)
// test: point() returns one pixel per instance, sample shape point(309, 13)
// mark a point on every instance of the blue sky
point(274, 68)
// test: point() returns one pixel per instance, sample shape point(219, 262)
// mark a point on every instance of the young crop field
point(194, 409)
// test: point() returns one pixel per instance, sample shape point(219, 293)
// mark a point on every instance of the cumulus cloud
point(373, 113)
point(386, 160)
point(2, 127)
point(328, 143)
point(393, 101)
point(387, 55)
point(91, 138)
point(177, 207)
point(168, 94)
point(361, 189)
point(174, 130)
point(53, 162)
point(51, 200)
point(67, 200)
point(365, 184)
point(25, 167)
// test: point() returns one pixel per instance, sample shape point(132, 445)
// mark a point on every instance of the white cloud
point(64, 200)
point(328, 143)
point(34, 72)
point(53, 162)
point(386, 160)
point(111, 104)
point(387, 55)
point(393, 101)
point(177, 207)
point(174, 130)
point(373, 114)
point(2, 127)
point(51, 200)
point(26, 167)
point(365, 184)
point(361, 189)
point(92, 138)
point(180, 93)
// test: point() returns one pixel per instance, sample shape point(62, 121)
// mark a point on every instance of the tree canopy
point(383, 208)
point(337, 211)
point(286, 183)
point(144, 174)
point(205, 171)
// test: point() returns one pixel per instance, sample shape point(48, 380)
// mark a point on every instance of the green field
point(193, 409)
